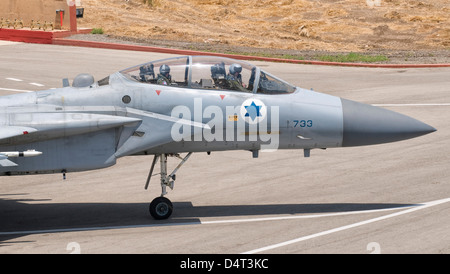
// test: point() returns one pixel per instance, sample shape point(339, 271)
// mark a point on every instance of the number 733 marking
point(303, 123)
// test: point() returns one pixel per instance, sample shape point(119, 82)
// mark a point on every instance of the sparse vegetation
point(267, 54)
point(150, 3)
point(97, 31)
point(353, 57)
point(303, 29)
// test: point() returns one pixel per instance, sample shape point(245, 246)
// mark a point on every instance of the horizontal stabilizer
point(6, 163)
point(13, 131)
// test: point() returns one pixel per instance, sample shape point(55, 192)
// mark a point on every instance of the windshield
point(210, 73)
point(269, 84)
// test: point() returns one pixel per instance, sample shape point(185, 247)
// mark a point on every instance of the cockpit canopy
point(208, 72)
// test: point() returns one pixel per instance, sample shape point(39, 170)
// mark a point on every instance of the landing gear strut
point(161, 208)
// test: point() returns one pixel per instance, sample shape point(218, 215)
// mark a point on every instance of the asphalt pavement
point(390, 198)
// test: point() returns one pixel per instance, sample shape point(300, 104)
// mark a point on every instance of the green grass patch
point(97, 31)
point(269, 55)
point(353, 57)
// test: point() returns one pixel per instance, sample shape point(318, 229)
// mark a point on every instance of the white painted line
point(17, 90)
point(412, 105)
point(14, 79)
point(7, 43)
point(203, 222)
point(338, 229)
point(306, 216)
point(37, 84)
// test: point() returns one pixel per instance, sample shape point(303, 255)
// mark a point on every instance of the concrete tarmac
point(391, 198)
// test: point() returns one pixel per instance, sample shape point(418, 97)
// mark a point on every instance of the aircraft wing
point(14, 131)
point(77, 131)
point(64, 136)
point(36, 126)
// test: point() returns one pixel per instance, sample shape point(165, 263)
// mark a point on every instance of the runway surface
point(391, 198)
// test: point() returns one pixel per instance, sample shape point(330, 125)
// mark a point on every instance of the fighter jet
point(180, 106)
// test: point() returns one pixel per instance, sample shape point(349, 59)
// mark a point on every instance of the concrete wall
point(42, 10)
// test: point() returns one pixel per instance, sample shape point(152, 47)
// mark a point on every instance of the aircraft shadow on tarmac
point(31, 215)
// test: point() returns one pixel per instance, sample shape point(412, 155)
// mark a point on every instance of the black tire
point(161, 208)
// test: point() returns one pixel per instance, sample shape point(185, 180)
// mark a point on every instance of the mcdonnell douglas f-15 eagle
point(181, 105)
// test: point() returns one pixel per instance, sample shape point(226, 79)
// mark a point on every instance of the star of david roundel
point(253, 111)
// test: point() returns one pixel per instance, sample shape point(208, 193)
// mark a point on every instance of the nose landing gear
point(161, 208)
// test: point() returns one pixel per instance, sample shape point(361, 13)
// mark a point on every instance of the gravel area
point(394, 56)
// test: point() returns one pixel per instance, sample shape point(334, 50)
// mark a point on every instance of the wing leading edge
point(14, 131)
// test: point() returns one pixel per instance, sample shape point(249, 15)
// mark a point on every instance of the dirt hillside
point(330, 25)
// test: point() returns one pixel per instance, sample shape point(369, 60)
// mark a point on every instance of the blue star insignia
point(253, 111)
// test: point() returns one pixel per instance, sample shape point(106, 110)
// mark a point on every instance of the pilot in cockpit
point(164, 77)
point(234, 78)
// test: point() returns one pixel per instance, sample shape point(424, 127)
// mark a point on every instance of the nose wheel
point(161, 208)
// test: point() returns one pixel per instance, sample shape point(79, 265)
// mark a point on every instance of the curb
point(37, 36)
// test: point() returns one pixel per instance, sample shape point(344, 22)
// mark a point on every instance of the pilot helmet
point(164, 69)
point(235, 68)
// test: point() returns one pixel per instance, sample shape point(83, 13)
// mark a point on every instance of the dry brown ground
point(299, 25)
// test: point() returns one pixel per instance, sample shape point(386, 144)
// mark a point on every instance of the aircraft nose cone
point(369, 125)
